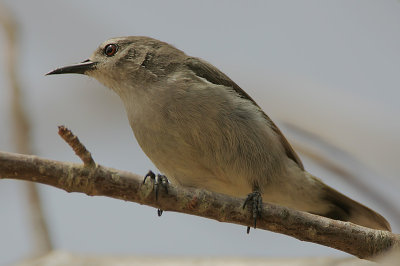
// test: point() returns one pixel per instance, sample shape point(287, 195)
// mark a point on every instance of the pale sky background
point(329, 67)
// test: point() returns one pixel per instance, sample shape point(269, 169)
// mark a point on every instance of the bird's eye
point(110, 49)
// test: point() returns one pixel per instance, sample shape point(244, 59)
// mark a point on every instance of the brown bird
point(202, 130)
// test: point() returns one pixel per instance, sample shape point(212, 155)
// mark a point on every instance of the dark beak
point(80, 68)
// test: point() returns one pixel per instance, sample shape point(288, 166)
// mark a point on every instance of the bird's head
point(127, 62)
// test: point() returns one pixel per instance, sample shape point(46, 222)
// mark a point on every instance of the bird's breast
point(205, 136)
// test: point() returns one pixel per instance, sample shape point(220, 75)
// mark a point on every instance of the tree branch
point(102, 181)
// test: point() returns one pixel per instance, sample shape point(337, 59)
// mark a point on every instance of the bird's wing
point(212, 74)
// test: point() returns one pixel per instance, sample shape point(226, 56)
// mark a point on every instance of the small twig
point(79, 149)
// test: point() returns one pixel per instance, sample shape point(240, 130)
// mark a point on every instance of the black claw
point(159, 180)
point(256, 199)
point(149, 174)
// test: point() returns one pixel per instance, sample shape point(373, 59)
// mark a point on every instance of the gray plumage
point(202, 130)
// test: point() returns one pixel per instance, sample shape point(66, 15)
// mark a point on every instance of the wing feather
point(212, 74)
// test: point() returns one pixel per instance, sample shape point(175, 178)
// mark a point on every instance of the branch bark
point(102, 181)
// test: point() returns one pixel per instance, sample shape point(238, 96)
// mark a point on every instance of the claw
point(256, 199)
point(159, 180)
point(149, 174)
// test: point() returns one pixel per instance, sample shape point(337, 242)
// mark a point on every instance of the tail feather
point(346, 209)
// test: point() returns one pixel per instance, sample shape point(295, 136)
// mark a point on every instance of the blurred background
point(328, 72)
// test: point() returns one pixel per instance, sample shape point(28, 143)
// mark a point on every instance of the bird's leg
point(162, 181)
point(256, 199)
point(159, 180)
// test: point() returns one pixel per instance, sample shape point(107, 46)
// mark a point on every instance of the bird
point(201, 130)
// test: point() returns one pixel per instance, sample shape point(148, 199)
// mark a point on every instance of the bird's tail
point(345, 209)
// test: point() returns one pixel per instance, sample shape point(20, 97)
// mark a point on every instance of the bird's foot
point(256, 199)
point(158, 181)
